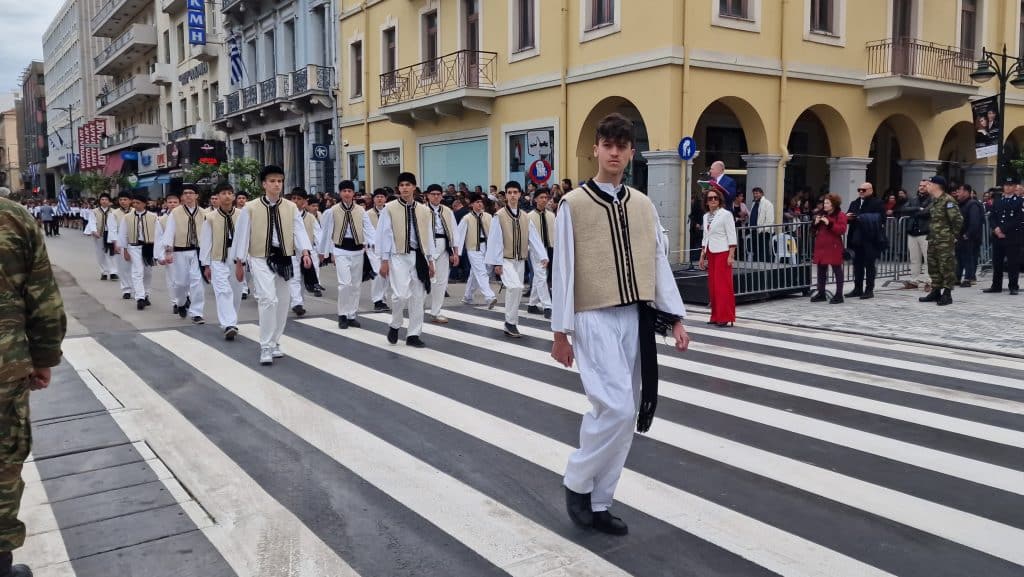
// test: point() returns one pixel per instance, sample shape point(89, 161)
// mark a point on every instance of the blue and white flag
point(235, 57)
point(62, 201)
point(72, 159)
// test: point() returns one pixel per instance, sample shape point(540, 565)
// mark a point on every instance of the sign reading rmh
point(196, 22)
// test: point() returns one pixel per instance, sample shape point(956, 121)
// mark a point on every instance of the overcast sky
point(22, 23)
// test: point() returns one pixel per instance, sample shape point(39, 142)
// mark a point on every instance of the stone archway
point(957, 152)
point(896, 139)
point(636, 173)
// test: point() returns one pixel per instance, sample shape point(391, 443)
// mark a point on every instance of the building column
point(290, 180)
point(664, 189)
point(981, 177)
point(914, 171)
point(763, 171)
point(846, 174)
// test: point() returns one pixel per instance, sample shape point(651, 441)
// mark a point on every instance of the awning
point(155, 180)
point(114, 164)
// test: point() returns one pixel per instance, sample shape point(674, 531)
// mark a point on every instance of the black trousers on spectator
point(837, 272)
point(966, 260)
point(1005, 249)
point(864, 269)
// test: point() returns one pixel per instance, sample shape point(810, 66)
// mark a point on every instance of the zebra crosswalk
point(774, 452)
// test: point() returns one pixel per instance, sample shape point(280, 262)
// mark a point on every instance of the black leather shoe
point(605, 522)
point(838, 299)
point(854, 293)
point(414, 341)
point(965, 284)
point(547, 313)
point(381, 307)
point(354, 324)
point(230, 333)
point(819, 298)
point(114, 277)
point(512, 331)
point(992, 290)
point(103, 277)
point(342, 322)
point(127, 296)
point(182, 312)
point(146, 300)
point(245, 296)
point(931, 297)
point(174, 309)
point(578, 507)
point(533, 310)
point(140, 304)
point(299, 310)
point(1014, 292)
point(318, 293)
point(946, 298)
point(868, 295)
point(392, 335)
point(20, 571)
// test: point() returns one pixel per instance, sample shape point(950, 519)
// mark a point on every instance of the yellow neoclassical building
point(790, 94)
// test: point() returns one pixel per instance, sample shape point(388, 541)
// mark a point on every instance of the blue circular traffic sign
point(687, 148)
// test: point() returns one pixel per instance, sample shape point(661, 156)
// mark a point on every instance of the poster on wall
point(987, 126)
point(531, 156)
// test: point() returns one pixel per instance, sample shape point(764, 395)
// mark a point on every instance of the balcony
point(229, 7)
point(445, 86)
point(161, 73)
point(126, 51)
point(114, 16)
point(136, 90)
point(136, 137)
point(172, 6)
point(256, 98)
point(908, 67)
point(205, 52)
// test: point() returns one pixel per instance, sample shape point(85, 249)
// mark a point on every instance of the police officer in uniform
point(1007, 218)
point(944, 228)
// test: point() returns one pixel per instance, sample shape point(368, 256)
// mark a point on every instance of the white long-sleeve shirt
point(122, 234)
point(385, 242)
point(167, 242)
point(325, 240)
point(94, 226)
point(437, 215)
point(463, 230)
point(719, 231)
point(496, 243)
point(243, 231)
point(563, 308)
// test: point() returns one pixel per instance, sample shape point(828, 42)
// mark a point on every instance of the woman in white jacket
point(718, 253)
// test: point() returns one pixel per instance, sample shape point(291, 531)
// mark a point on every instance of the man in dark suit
point(718, 175)
point(865, 215)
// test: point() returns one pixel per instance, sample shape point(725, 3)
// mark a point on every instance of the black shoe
point(965, 284)
point(127, 296)
point(321, 288)
point(381, 307)
point(414, 341)
point(229, 333)
point(547, 313)
point(148, 304)
point(197, 320)
point(103, 277)
point(533, 310)
point(1014, 292)
point(838, 299)
point(854, 293)
point(188, 302)
point(342, 322)
point(140, 304)
point(299, 310)
point(605, 522)
point(512, 331)
point(931, 297)
point(114, 277)
point(318, 293)
point(174, 309)
point(868, 295)
point(946, 298)
point(819, 298)
point(354, 324)
point(992, 290)
point(245, 296)
point(182, 312)
point(392, 335)
point(578, 507)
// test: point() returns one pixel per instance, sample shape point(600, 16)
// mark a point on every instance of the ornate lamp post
point(1002, 66)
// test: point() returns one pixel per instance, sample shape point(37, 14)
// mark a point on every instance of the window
point(184, 112)
point(733, 9)
point(602, 13)
point(428, 33)
point(524, 25)
point(197, 114)
point(390, 54)
point(598, 18)
point(968, 26)
point(822, 16)
point(270, 46)
point(167, 46)
point(169, 116)
point(181, 42)
point(356, 58)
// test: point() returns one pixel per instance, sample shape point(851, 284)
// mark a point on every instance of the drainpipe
point(366, 100)
point(684, 201)
point(563, 124)
point(780, 177)
point(335, 105)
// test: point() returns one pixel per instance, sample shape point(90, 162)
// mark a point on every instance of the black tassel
point(368, 273)
point(147, 254)
point(422, 270)
point(280, 264)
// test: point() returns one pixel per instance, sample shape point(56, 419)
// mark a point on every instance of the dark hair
point(380, 191)
point(541, 190)
point(757, 189)
point(222, 187)
point(615, 128)
point(434, 188)
point(298, 190)
point(475, 197)
point(106, 196)
point(967, 187)
point(269, 170)
point(406, 177)
point(513, 184)
point(241, 193)
point(346, 184)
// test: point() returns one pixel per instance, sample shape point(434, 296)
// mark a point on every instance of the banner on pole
point(988, 127)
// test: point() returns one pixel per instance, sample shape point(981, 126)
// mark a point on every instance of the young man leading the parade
point(607, 272)
point(137, 235)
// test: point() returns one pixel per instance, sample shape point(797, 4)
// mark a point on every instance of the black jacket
point(974, 221)
point(918, 210)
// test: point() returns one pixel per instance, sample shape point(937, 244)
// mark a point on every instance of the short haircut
point(967, 187)
point(513, 184)
point(269, 170)
point(757, 189)
point(615, 128)
point(476, 197)
point(406, 177)
point(189, 187)
point(107, 196)
point(224, 186)
point(346, 184)
point(242, 193)
point(542, 190)
point(434, 188)
point(380, 192)
point(141, 197)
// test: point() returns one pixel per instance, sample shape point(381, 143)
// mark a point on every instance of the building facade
point(10, 169)
point(279, 106)
point(791, 94)
point(33, 150)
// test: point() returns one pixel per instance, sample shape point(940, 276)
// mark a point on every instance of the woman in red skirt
point(718, 252)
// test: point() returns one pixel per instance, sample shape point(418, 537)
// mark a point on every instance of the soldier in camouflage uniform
point(32, 325)
point(946, 224)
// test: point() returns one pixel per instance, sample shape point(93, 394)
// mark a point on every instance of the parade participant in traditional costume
point(102, 225)
point(124, 268)
point(380, 288)
point(448, 251)
point(215, 242)
point(543, 220)
point(299, 196)
point(240, 199)
point(346, 228)
point(171, 202)
point(607, 273)
point(511, 240)
point(136, 237)
point(181, 252)
point(406, 247)
point(472, 234)
point(269, 232)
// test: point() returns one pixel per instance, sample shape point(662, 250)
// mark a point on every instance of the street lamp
point(71, 129)
point(1002, 66)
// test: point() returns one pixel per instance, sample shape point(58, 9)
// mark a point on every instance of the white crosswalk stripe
point(883, 506)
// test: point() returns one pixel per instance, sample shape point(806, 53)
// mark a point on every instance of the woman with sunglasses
point(718, 253)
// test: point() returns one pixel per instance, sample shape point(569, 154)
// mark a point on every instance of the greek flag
point(72, 160)
point(235, 56)
point(62, 201)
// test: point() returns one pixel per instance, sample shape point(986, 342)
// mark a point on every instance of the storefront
point(529, 154)
point(455, 160)
point(387, 165)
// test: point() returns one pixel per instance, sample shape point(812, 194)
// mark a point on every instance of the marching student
point(124, 268)
point(472, 234)
point(448, 251)
point(544, 221)
point(136, 236)
point(171, 202)
point(380, 288)
point(215, 242)
point(511, 240)
point(607, 273)
point(240, 199)
point(298, 196)
point(406, 247)
point(181, 251)
point(346, 228)
point(102, 225)
point(269, 232)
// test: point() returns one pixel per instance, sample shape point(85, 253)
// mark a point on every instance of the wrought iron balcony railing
point(181, 133)
point(918, 59)
point(119, 43)
point(462, 69)
point(218, 110)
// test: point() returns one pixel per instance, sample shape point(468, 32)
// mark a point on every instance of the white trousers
point(227, 291)
point(272, 298)
point(295, 283)
point(539, 294)
point(142, 275)
point(349, 266)
point(124, 273)
point(439, 284)
point(379, 286)
point(106, 261)
point(172, 289)
point(408, 292)
point(605, 345)
point(917, 246)
point(478, 279)
point(512, 272)
point(188, 280)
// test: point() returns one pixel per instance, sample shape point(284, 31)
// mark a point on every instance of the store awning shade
point(156, 180)
point(114, 164)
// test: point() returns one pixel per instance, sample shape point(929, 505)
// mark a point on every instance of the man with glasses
point(865, 216)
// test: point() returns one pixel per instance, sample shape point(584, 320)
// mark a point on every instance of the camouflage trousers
point(942, 265)
point(15, 444)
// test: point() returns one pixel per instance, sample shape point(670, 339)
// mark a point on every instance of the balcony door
point(902, 36)
point(471, 41)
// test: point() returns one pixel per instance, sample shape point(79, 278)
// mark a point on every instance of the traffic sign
point(687, 148)
point(321, 152)
point(540, 171)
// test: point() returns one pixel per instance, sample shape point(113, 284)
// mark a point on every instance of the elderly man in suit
point(718, 175)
